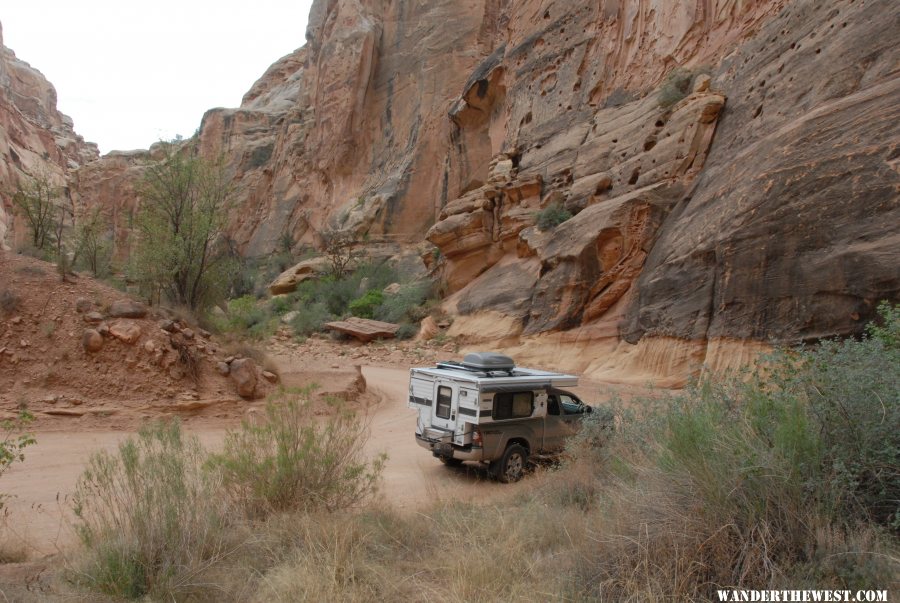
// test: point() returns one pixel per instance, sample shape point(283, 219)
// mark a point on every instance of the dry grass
point(288, 460)
point(729, 485)
point(13, 547)
point(149, 517)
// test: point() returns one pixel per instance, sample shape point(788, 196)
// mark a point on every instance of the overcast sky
point(131, 73)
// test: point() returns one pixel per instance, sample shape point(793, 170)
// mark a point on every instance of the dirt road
point(40, 513)
point(412, 476)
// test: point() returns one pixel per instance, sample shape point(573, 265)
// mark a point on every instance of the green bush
point(782, 469)
point(247, 316)
point(291, 461)
point(852, 388)
point(407, 331)
point(13, 443)
point(364, 307)
point(150, 517)
point(406, 304)
point(310, 319)
point(551, 216)
point(280, 305)
point(337, 293)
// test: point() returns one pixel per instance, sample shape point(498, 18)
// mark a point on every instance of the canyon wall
point(730, 166)
point(36, 140)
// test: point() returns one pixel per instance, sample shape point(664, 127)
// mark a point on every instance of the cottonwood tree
point(93, 242)
point(180, 251)
point(37, 200)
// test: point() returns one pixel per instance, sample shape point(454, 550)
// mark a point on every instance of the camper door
point(446, 404)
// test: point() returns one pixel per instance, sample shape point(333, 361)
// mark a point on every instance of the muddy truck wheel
point(511, 466)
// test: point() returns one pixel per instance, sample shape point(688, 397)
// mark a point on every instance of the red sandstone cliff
point(35, 138)
point(760, 207)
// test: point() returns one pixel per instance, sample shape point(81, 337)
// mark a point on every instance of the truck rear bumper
point(443, 449)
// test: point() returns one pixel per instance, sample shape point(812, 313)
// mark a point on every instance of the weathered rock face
point(772, 219)
point(35, 138)
point(758, 202)
point(791, 232)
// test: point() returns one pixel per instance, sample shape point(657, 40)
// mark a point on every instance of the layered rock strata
point(753, 199)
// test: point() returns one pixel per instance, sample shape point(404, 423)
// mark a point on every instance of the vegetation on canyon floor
point(787, 476)
point(365, 291)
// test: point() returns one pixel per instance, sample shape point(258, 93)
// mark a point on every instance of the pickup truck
point(487, 410)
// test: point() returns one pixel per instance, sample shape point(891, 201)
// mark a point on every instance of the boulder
point(93, 318)
point(223, 368)
point(126, 331)
point(287, 281)
point(83, 305)
point(364, 329)
point(245, 376)
point(270, 377)
point(91, 341)
point(127, 308)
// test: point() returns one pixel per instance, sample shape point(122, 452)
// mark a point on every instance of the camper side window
point(513, 405)
point(445, 394)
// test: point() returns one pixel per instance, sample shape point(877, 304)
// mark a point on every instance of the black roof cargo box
point(488, 361)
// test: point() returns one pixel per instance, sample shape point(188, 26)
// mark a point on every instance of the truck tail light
point(476, 436)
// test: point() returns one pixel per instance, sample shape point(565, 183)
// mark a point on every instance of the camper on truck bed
point(488, 410)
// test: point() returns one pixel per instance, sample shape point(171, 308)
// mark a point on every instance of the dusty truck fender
point(497, 436)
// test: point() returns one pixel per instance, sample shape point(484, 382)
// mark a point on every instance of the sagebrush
point(551, 216)
point(288, 460)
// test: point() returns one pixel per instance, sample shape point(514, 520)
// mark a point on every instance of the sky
point(132, 73)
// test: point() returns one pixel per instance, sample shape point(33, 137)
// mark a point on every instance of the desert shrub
point(310, 319)
point(244, 312)
point(677, 85)
point(291, 461)
point(10, 301)
point(407, 330)
point(188, 359)
point(406, 304)
point(280, 305)
point(551, 216)
point(364, 307)
point(781, 468)
point(336, 294)
point(852, 388)
point(247, 317)
point(149, 517)
point(15, 439)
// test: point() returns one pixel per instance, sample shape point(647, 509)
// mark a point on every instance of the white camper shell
point(475, 409)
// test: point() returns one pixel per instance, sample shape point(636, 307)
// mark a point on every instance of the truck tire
point(511, 466)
